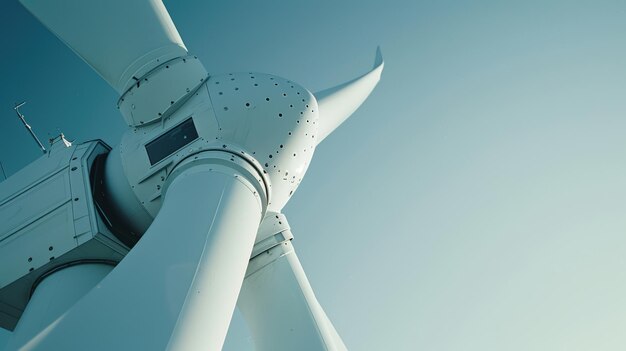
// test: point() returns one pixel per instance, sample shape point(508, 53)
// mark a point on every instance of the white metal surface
point(178, 286)
point(280, 308)
point(162, 91)
point(276, 299)
point(274, 120)
point(120, 39)
point(48, 219)
point(338, 103)
point(54, 295)
point(270, 121)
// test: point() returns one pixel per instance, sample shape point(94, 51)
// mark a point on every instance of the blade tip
point(378, 61)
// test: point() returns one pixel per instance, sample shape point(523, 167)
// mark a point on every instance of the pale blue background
point(477, 201)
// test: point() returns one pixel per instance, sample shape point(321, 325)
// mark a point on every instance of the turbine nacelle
point(268, 121)
point(205, 159)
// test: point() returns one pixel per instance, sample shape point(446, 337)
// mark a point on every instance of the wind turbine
point(151, 245)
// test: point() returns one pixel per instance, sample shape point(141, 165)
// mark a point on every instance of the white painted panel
point(34, 203)
point(34, 245)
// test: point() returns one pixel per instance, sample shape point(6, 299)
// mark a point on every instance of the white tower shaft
point(54, 295)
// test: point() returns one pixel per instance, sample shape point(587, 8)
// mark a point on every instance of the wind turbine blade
point(338, 103)
point(280, 307)
point(120, 39)
point(177, 288)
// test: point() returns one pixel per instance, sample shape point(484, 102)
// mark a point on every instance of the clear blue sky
point(477, 201)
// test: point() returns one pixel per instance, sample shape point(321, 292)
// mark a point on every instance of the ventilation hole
point(251, 77)
point(281, 146)
point(280, 115)
point(236, 88)
point(284, 94)
point(266, 164)
point(75, 199)
point(247, 104)
point(217, 83)
point(294, 155)
point(256, 85)
point(221, 93)
point(298, 93)
point(51, 258)
point(50, 248)
point(290, 105)
point(225, 108)
point(31, 269)
point(267, 99)
point(171, 102)
point(270, 156)
point(30, 259)
point(74, 168)
point(232, 79)
point(289, 133)
point(224, 146)
point(167, 66)
point(276, 84)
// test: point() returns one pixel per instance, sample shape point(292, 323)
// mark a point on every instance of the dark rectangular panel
point(172, 141)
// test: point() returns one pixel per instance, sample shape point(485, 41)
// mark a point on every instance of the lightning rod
point(28, 127)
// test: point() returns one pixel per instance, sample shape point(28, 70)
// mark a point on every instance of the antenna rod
point(30, 130)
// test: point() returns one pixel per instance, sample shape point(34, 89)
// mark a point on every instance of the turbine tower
point(151, 244)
